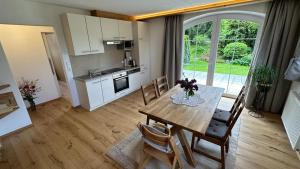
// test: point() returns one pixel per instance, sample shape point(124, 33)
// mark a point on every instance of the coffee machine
point(128, 60)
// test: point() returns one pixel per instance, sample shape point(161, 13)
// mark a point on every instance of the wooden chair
point(159, 144)
point(162, 85)
point(149, 94)
point(226, 116)
point(218, 133)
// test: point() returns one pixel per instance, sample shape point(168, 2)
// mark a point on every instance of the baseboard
point(16, 131)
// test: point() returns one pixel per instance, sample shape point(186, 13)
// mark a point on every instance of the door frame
point(216, 18)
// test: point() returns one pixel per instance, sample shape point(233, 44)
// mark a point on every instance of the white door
point(110, 29)
point(79, 34)
point(94, 91)
point(125, 30)
point(95, 34)
point(108, 88)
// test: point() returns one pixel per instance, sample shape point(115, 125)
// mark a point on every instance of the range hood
point(112, 42)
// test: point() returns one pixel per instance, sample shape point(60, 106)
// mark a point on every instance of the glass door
point(234, 54)
point(197, 51)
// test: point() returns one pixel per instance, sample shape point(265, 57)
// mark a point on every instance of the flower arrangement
point(188, 86)
point(28, 89)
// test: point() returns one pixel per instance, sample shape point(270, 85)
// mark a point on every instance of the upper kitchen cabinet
point(113, 29)
point(110, 29)
point(95, 34)
point(125, 30)
point(83, 34)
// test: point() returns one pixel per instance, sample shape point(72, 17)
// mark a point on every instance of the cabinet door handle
point(86, 51)
point(96, 82)
point(102, 80)
point(94, 50)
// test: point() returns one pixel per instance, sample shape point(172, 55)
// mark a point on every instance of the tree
point(187, 51)
point(235, 50)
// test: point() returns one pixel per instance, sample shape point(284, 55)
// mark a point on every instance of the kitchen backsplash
point(111, 58)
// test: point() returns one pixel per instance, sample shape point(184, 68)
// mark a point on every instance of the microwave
point(125, 45)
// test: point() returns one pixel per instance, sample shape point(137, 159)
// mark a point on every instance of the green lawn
point(223, 68)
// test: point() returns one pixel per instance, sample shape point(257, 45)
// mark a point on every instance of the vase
point(188, 94)
point(32, 105)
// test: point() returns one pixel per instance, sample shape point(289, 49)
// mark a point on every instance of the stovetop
point(109, 71)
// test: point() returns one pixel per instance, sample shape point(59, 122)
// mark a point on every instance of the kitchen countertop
point(88, 78)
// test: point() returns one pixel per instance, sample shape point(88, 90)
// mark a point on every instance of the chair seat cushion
point(222, 115)
point(216, 129)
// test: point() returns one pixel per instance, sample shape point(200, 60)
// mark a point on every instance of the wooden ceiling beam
point(219, 4)
point(111, 15)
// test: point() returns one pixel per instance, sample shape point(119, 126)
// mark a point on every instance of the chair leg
point(143, 161)
point(193, 142)
point(227, 145)
point(223, 156)
point(148, 120)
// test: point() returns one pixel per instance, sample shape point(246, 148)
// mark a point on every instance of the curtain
point(278, 43)
point(173, 48)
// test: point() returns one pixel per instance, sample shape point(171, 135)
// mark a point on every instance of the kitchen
point(123, 45)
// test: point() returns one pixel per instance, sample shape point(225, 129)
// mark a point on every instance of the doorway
point(219, 48)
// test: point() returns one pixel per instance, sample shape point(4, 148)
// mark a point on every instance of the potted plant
point(188, 87)
point(28, 90)
point(263, 77)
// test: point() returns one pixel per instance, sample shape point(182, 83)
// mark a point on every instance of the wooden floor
point(71, 138)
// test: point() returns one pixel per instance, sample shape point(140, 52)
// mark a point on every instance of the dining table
point(182, 117)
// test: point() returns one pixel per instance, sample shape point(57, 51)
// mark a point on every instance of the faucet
point(92, 72)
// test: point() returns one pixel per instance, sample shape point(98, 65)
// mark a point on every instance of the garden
point(235, 47)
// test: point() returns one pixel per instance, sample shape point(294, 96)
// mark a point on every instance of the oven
point(121, 81)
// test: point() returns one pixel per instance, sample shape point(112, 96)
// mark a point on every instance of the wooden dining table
point(182, 117)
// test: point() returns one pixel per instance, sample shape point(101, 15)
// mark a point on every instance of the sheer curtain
point(279, 40)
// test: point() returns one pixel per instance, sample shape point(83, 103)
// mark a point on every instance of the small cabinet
point(134, 81)
point(83, 34)
point(110, 29)
point(108, 89)
point(125, 30)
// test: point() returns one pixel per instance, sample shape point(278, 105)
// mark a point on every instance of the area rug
point(126, 153)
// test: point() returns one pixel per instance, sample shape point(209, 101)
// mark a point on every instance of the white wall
point(26, 54)
point(33, 13)
point(157, 29)
point(19, 118)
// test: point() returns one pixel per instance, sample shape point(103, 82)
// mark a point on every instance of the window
point(219, 48)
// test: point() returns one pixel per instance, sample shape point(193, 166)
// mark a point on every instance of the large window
point(218, 49)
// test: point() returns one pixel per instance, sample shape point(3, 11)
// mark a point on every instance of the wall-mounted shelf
point(4, 86)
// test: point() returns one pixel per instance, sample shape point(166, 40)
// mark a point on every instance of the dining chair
point(224, 115)
point(159, 144)
point(162, 85)
point(149, 94)
point(218, 133)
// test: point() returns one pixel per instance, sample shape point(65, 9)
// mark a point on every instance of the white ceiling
point(128, 7)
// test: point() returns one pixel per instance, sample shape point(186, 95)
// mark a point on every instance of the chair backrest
point(237, 103)
point(236, 100)
point(149, 93)
point(154, 137)
point(234, 119)
point(162, 85)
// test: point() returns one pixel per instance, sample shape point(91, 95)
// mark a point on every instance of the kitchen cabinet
point(108, 89)
point(134, 81)
point(125, 30)
point(142, 50)
point(83, 34)
point(90, 93)
point(110, 29)
point(94, 34)
point(116, 29)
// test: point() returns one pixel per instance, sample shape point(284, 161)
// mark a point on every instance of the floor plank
point(72, 138)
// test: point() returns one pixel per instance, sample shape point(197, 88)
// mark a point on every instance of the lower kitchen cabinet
point(90, 93)
point(108, 90)
point(135, 81)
